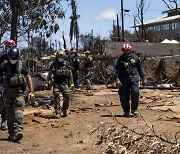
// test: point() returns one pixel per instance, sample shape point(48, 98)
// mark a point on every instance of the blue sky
point(99, 14)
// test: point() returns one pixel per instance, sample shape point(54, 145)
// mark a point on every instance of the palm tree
point(74, 28)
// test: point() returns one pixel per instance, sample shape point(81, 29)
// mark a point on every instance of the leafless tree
point(169, 6)
point(64, 41)
point(139, 17)
point(92, 43)
point(114, 32)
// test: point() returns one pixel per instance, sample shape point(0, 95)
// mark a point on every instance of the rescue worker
point(68, 54)
point(88, 70)
point(9, 43)
point(74, 62)
point(60, 69)
point(15, 76)
point(3, 59)
point(67, 58)
point(128, 69)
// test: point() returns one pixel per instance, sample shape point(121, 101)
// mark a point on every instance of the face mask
point(13, 61)
point(60, 59)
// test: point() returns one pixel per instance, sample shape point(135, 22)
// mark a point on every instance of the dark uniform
point(74, 62)
point(68, 55)
point(14, 87)
point(60, 71)
point(88, 71)
point(128, 69)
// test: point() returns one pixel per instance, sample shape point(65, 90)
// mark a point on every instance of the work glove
point(72, 85)
point(31, 96)
point(144, 82)
point(118, 83)
point(46, 85)
point(50, 84)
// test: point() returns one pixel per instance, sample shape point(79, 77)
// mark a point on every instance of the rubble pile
point(158, 71)
point(121, 140)
point(104, 69)
point(161, 72)
point(149, 66)
point(176, 78)
point(164, 72)
point(41, 98)
point(103, 73)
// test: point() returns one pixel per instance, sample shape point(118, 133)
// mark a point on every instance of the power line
point(149, 10)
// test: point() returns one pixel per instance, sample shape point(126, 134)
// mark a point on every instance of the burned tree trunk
point(14, 20)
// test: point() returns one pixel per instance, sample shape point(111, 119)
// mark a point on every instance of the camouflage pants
point(14, 104)
point(2, 109)
point(88, 77)
point(57, 89)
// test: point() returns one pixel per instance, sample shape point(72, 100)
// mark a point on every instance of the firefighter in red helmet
point(128, 69)
point(9, 42)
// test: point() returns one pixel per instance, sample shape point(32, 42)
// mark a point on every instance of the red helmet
point(9, 42)
point(67, 50)
point(126, 48)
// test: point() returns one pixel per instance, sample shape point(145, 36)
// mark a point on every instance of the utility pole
point(91, 48)
point(122, 17)
point(118, 28)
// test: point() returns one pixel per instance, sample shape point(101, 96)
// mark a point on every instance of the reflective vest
point(129, 63)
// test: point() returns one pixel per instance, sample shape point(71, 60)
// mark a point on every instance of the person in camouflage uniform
point(14, 75)
point(88, 70)
point(3, 59)
point(60, 69)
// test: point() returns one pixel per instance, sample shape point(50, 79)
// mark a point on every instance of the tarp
point(170, 41)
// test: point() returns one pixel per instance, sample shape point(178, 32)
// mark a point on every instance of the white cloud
point(108, 14)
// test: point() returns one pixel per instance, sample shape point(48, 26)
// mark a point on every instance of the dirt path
point(78, 132)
